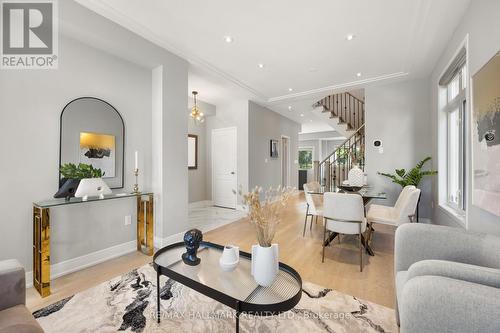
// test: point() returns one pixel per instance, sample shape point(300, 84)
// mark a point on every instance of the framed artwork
point(192, 151)
point(486, 136)
point(99, 150)
point(274, 149)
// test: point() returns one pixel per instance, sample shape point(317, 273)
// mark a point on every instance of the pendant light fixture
point(196, 113)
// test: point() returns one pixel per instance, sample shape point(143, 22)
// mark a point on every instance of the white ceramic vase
point(265, 264)
point(92, 187)
point(230, 258)
point(356, 176)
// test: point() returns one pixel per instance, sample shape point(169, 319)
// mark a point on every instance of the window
point(305, 158)
point(454, 83)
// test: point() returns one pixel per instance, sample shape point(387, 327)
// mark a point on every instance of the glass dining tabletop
point(367, 192)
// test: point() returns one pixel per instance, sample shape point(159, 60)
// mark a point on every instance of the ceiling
point(302, 45)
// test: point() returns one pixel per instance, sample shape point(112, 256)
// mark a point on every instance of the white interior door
point(224, 177)
point(285, 161)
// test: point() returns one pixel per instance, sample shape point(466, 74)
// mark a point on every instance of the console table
point(41, 231)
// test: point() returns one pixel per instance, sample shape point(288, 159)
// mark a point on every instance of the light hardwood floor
point(340, 271)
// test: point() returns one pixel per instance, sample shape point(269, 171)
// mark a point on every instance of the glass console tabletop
point(63, 201)
point(236, 289)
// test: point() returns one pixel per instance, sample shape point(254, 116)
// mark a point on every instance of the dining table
point(368, 193)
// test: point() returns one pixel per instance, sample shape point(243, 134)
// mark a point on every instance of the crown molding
point(134, 26)
point(129, 23)
point(338, 86)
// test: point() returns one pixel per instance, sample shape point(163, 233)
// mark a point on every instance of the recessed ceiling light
point(261, 65)
point(302, 115)
point(310, 120)
point(350, 37)
point(358, 74)
point(289, 108)
point(290, 89)
point(228, 39)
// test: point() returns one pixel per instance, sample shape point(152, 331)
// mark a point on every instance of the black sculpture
point(67, 188)
point(192, 239)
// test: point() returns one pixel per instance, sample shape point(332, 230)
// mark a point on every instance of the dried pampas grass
point(265, 215)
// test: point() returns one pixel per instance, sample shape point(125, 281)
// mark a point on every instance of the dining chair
point(313, 208)
point(344, 213)
point(313, 186)
point(402, 212)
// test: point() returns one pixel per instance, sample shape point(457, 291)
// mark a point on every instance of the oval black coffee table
point(236, 289)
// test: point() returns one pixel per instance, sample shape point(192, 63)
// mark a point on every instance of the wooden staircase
point(347, 108)
point(350, 111)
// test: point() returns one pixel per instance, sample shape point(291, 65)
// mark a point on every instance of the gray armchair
point(14, 316)
point(447, 280)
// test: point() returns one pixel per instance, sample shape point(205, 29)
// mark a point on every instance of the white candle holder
point(136, 185)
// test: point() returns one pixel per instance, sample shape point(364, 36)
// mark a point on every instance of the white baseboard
point(157, 242)
point(161, 242)
point(91, 259)
point(242, 208)
point(201, 204)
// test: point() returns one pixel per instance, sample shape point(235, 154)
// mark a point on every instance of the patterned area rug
point(128, 303)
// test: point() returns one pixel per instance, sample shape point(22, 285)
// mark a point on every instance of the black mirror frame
point(60, 139)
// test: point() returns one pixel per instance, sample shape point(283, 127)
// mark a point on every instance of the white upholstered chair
point(313, 186)
point(402, 212)
point(344, 213)
point(314, 207)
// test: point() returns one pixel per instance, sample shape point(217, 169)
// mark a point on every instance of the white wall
point(31, 103)
point(198, 181)
point(311, 144)
point(328, 147)
point(398, 114)
point(265, 125)
point(173, 193)
point(255, 126)
point(230, 114)
point(482, 25)
point(91, 63)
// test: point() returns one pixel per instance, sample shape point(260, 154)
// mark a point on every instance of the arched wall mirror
point(93, 132)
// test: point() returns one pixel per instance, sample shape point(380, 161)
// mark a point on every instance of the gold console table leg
point(145, 223)
point(41, 250)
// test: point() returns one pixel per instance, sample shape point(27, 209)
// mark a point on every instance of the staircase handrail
point(343, 143)
point(359, 100)
point(318, 103)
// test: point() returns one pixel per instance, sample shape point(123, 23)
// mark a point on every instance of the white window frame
point(312, 157)
point(457, 104)
point(453, 210)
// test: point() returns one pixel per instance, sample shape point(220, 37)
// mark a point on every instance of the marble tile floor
point(205, 217)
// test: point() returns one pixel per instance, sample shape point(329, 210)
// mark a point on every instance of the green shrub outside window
point(305, 158)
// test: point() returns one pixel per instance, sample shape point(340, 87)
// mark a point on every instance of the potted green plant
point(411, 177)
point(77, 180)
